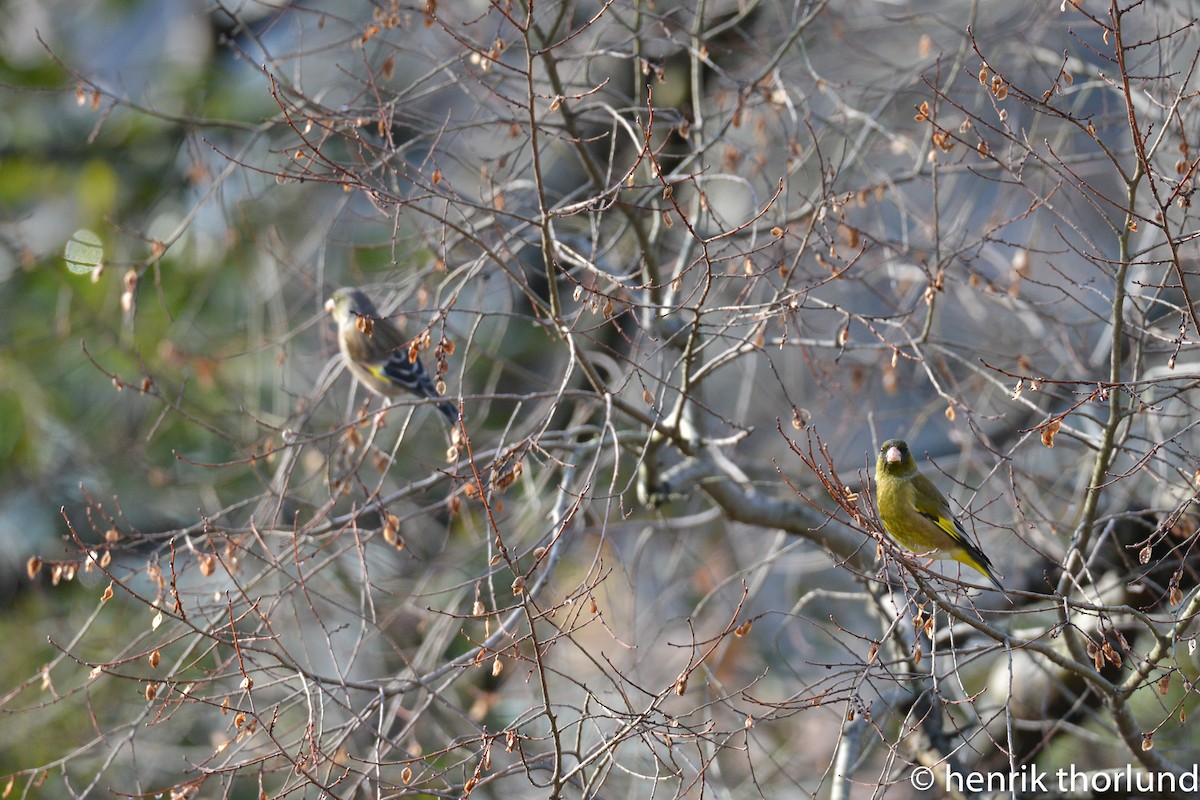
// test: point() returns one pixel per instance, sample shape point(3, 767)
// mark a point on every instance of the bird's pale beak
point(892, 456)
point(329, 305)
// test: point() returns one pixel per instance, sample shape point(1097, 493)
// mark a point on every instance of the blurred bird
point(917, 516)
point(376, 352)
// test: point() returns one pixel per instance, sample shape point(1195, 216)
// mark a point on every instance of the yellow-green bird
point(377, 353)
point(917, 516)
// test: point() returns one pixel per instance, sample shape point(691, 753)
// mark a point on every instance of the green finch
point(917, 516)
point(376, 352)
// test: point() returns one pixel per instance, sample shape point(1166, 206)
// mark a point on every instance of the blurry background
point(662, 255)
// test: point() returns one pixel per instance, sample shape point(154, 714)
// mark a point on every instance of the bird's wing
point(934, 506)
point(413, 377)
point(409, 374)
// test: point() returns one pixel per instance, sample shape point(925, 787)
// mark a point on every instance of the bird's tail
point(974, 558)
point(449, 411)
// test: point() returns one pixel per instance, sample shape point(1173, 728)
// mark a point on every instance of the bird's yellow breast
point(897, 503)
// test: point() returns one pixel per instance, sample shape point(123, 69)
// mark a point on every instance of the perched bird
point(377, 353)
point(917, 516)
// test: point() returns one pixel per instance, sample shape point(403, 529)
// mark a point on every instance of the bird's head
point(347, 303)
point(894, 458)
